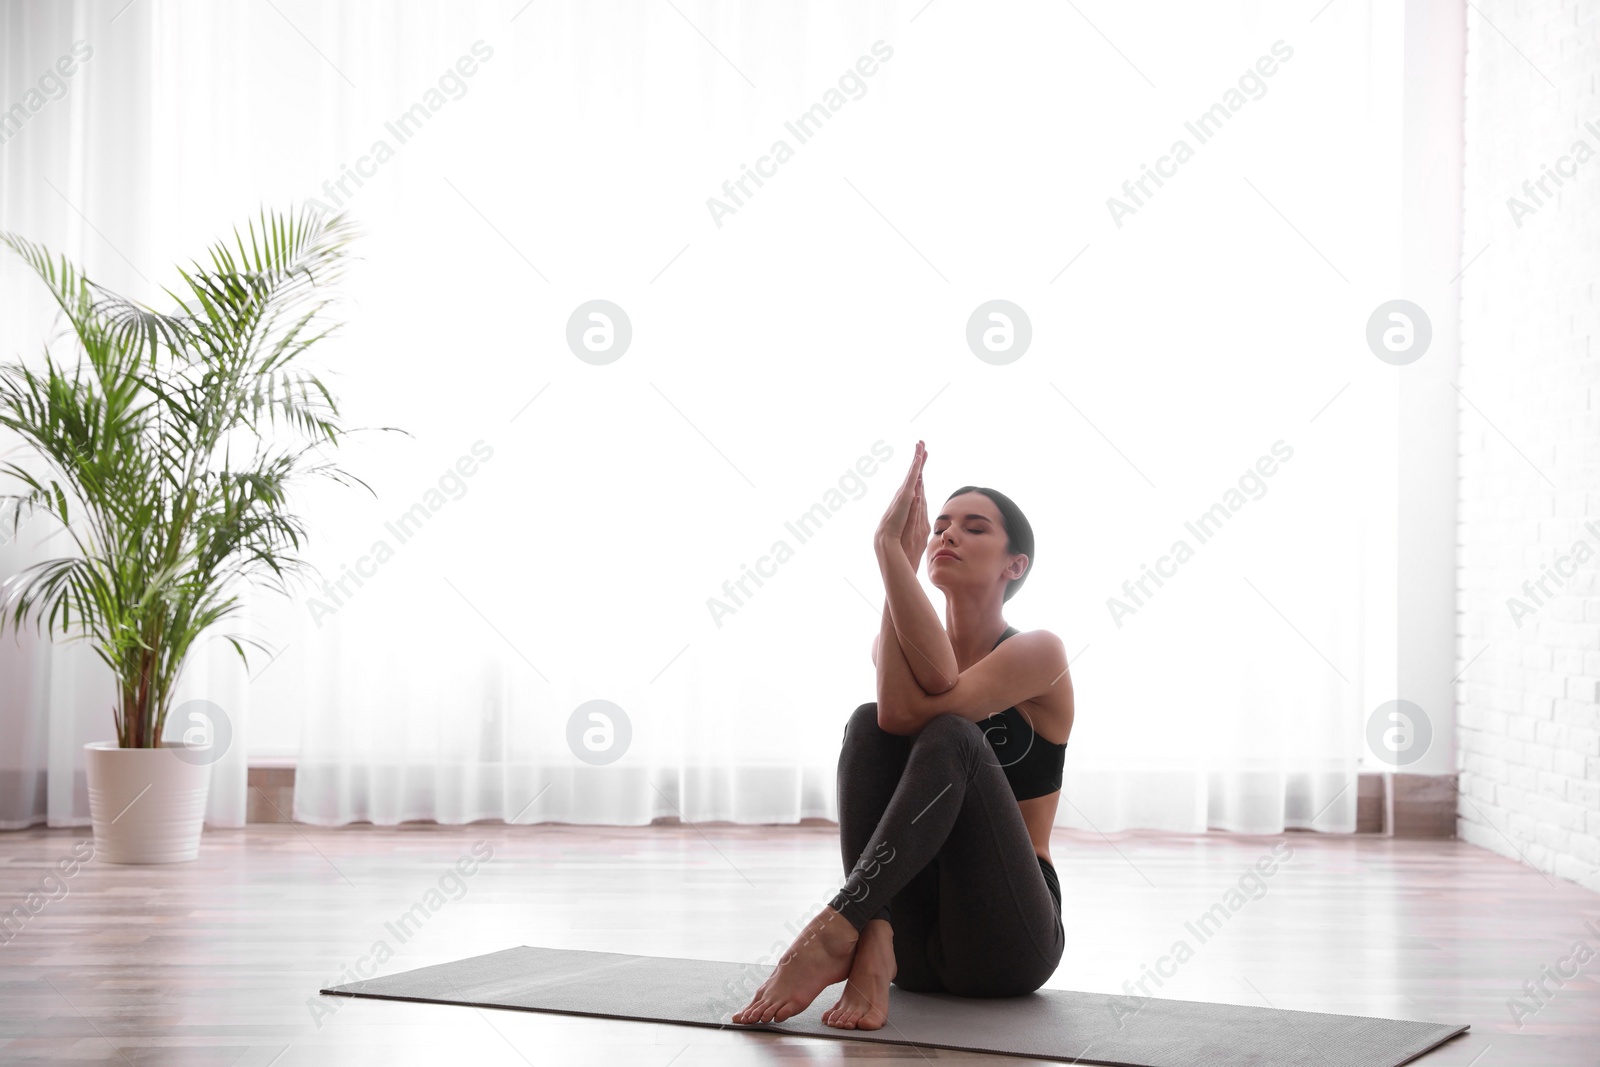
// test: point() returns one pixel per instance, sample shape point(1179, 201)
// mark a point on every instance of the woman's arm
point(1023, 668)
point(910, 616)
point(898, 688)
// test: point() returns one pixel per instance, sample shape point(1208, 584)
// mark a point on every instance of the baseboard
point(1396, 805)
point(271, 794)
point(1420, 805)
point(1371, 805)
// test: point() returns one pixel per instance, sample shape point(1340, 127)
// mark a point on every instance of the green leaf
point(137, 438)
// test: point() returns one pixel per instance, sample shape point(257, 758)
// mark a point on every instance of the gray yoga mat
point(1051, 1024)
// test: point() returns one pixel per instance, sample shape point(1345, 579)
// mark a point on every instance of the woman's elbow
point(891, 723)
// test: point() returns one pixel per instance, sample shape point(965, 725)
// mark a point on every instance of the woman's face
point(968, 543)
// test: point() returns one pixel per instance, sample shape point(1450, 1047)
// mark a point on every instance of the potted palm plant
point(164, 455)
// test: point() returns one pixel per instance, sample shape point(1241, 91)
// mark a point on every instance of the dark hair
point(1019, 531)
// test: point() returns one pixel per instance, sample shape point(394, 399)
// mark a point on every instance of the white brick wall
point(1528, 721)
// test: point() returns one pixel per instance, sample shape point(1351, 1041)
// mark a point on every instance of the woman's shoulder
point(1043, 647)
point(1044, 640)
point(1055, 706)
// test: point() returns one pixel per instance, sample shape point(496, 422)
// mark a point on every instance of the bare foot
point(819, 957)
point(864, 1004)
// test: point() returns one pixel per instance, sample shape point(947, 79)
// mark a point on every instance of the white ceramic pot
point(147, 805)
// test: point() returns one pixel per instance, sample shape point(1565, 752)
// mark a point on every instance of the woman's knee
point(950, 728)
point(862, 718)
point(946, 728)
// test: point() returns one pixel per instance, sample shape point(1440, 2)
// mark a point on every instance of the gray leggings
point(933, 841)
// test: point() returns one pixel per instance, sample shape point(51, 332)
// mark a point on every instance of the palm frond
point(137, 438)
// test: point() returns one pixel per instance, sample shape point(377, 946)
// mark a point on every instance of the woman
point(948, 782)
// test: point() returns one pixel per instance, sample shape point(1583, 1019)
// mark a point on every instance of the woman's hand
point(909, 620)
point(906, 521)
point(914, 539)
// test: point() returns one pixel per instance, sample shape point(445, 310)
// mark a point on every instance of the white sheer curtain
point(575, 520)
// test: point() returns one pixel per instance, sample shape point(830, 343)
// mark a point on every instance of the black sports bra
point(1033, 765)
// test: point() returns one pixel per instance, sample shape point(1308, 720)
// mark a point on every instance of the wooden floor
point(218, 961)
